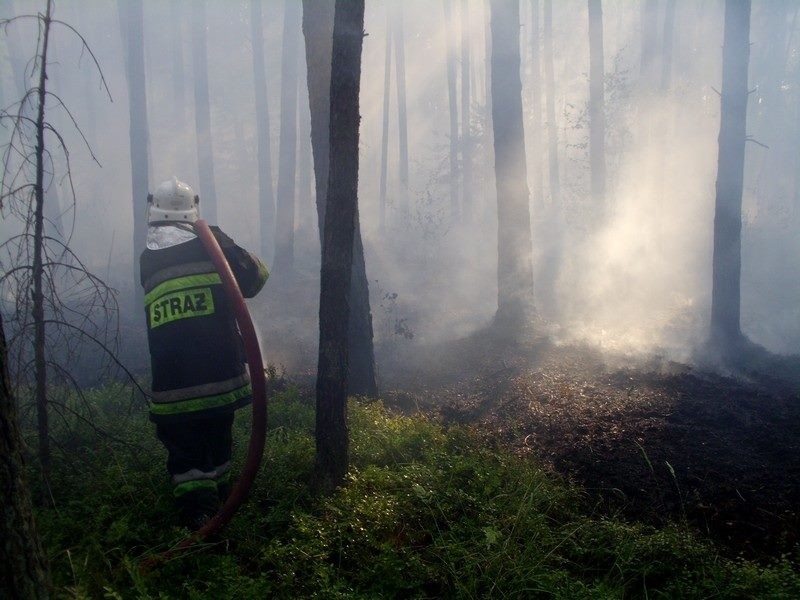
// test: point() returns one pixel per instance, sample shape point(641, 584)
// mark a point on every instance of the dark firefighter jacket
point(196, 352)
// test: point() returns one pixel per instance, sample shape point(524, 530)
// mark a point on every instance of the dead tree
point(597, 104)
point(57, 303)
point(514, 248)
point(332, 459)
point(266, 199)
point(23, 569)
point(318, 34)
point(726, 333)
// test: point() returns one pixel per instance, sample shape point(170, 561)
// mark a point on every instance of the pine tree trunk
point(202, 114)
point(666, 54)
point(287, 153)
point(40, 364)
point(387, 68)
point(597, 107)
point(332, 458)
point(23, 570)
point(131, 21)
point(266, 199)
point(318, 34)
point(398, 35)
point(536, 110)
point(514, 248)
point(649, 42)
point(466, 139)
point(453, 102)
point(727, 261)
point(176, 9)
point(550, 102)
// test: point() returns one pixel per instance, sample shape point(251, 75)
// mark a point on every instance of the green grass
point(427, 512)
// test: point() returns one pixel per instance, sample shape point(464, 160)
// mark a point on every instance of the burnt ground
point(649, 440)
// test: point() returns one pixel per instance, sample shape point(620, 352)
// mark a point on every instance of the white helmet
point(173, 201)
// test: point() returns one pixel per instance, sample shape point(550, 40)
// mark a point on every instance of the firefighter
point(196, 353)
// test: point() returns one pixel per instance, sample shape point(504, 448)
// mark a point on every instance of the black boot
point(197, 507)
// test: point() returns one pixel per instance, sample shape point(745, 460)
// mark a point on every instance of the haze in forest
point(631, 273)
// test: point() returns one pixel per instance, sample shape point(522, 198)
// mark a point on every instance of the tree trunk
point(550, 102)
point(387, 68)
point(666, 54)
point(337, 250)
point(176, 10)
point(40, 364)
point(287, 153)
point(202, 114)
point(318, 33)
point(131, 20)
point(536, 109)
point(266, 199)
point(597, 104)
point(466, 138)
point(398, 35)
point(514, 249)
point(727, 262)
point(23, 570)
point(649, 42)
point(453, 102)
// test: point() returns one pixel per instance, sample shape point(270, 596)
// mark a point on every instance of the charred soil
point(649, 440)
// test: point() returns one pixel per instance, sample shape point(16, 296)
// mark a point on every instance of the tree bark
point(40, 364)
point(597, 105)
point(176, 10)
point(514, 248)
point(23, 570)
point(131, 20)
point(318, 33)
point(287, 153)
point(550, 102)
point(453, 103)
point(649, 42)
point(398, 35)
point(466, 137)
point(667, 45)
point(387, 69)
point(536, 109)
point(332, 459)
point(727, 261)
point(202, 114)
point(266, 199)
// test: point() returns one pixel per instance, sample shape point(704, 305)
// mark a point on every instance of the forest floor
point(648, 439)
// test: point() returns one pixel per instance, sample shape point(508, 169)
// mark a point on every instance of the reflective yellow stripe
point(195, 302)
point(196, 404)
point(193, 486)
point(181, 283)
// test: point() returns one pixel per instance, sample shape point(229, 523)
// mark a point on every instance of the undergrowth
point(427, 512)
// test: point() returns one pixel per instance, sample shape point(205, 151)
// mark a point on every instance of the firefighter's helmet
point(173, 200)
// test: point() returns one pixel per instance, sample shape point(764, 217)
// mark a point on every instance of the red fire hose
point(259, 424)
